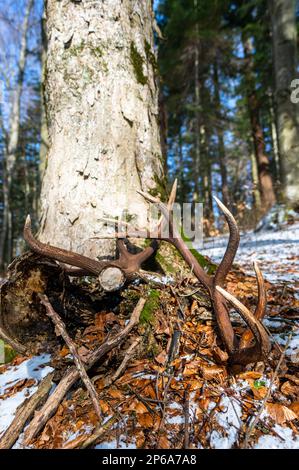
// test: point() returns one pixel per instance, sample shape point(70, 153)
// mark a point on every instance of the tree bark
point(284, 40)
point(265, 180)
point(221, 146)
point(44, 141)
point(102, 109)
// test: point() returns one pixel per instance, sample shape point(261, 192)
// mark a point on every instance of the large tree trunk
point(102, 108)
point(265, 180)
point(284, 34)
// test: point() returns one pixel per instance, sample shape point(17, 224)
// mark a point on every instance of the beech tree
point(101, 100)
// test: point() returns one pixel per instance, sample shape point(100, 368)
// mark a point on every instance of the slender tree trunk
point(181, 168)
point(102, 109)
point(4, 231)
point(220, 137)
point(265, 180)
point(44, 142)
point(284, 39)
point(14, 130)
point(275, 143)
point(206, 163)
point(197, 120)
point(255, 180)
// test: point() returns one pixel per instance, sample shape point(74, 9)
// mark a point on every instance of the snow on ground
point(276, 251)
point(34, 368)
point(284, 440)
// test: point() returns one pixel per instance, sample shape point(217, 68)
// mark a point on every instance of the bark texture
point(284, 35)
point(102, 110)
point(266, 188)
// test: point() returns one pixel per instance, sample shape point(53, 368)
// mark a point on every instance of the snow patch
point(287, 439)
point(29, 369)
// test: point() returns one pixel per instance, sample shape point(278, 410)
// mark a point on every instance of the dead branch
point(61, 330)
point(95, 436)
point(128, 356)
point(72, 375)
point(24, 412)
point(12, 342)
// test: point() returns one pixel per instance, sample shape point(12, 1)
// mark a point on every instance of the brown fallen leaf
point(292, 378)
point(290, 389)
point(219, 355)
point(213, 373)
point(161, 358)
point(295, 408)
point(145, 420)
point(140, 439)
point(163, 442)
point(280, 413)
point(115, 393)
point(104, 406)
point(251, 374)
point(64, 351)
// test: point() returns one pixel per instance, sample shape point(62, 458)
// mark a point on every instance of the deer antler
point(112, 274)
point(214, 283)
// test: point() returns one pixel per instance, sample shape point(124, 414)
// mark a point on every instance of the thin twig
point(86, 441)
point(128, 356)
point(187, 417)
point(61, 330)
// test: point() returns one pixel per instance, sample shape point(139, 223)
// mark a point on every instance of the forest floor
point(186, 400)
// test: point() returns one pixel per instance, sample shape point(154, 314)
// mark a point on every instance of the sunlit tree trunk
point(102, 109)
point(265, 180)
point(12, 143)
point(284, 39)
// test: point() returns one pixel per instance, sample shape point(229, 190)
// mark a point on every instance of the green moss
point(204, 263)
point(259, 384)
point(7, 353)
point(151, 305)
point(137, 62)
point(96, 51)
point(160, 189)
point(150, 56)
point(76, 50)
point(166, 266)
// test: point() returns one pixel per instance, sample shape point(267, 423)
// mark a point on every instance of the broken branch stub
point(111, 278)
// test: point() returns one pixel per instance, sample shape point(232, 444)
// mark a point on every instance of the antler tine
point(260, 309)
point(59, 254)
point(139, 232)
point(170, 203)
point(256, 327)
point(233, 243)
